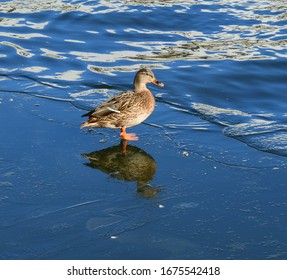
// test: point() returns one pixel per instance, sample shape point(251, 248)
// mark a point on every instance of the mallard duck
point(126, 109)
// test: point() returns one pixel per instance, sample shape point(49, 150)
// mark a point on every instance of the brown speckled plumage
point(127, 108)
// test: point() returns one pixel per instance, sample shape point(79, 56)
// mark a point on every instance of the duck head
point(143, 77)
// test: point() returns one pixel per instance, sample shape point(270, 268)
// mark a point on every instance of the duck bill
point(157, 83)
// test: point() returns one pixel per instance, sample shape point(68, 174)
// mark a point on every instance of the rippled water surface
point(206, 180)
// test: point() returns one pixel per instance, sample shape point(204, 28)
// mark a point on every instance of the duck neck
point(139, 87)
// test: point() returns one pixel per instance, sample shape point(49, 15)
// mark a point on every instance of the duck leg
point(128, 136)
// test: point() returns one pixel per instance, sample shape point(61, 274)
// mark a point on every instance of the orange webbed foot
point(128, 136)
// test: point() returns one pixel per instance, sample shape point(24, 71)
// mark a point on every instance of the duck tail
point(84, 124)
point(89, 124)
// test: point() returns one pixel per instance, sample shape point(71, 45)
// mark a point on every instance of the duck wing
point(115, 104)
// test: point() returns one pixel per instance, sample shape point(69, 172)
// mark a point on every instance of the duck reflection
point(128, 163)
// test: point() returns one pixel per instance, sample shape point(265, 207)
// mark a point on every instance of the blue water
point(206, 180)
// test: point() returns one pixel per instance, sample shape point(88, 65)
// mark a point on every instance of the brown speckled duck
point(126, 109)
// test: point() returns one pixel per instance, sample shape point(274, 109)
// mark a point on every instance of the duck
point(126, 109)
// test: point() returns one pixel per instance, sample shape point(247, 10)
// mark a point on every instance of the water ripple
point(20, 51)
point(258, 34)
point(260, 132)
